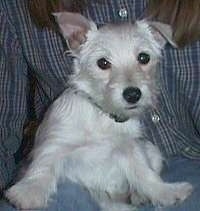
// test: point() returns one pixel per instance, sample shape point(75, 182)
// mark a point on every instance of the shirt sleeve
point(13, 98)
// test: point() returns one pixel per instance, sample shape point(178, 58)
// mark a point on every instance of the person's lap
point(71, 197)
point(177, 170)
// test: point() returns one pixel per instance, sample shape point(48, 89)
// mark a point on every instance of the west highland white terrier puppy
point(92, 134)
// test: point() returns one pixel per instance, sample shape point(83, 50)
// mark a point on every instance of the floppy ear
point(73, 27)
point(162, 33)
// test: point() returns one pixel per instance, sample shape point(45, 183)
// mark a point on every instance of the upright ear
point(73, 27)
point(162, 32)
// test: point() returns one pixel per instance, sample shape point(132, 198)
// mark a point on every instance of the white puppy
point(92, 133)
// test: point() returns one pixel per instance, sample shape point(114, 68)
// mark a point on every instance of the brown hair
point(182, 15)
point(41, 10)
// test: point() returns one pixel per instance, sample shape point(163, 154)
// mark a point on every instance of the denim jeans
point(177, 170)
point(71, 197)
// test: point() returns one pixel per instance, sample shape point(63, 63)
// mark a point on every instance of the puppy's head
point(115, 64)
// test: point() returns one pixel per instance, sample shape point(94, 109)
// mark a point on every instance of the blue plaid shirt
point(26, 52)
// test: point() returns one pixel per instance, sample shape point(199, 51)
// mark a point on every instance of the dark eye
point(143, 58)
point(103, 64)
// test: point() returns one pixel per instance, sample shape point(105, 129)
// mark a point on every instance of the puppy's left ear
point(162, 33)
point(73, 27)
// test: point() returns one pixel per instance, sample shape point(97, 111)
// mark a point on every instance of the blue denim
point(177, 170)
point(72, 197)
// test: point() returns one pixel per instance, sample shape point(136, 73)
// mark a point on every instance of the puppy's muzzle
point(132, 95)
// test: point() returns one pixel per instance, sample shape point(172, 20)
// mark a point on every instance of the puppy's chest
point(92, 125)
point(102, 129)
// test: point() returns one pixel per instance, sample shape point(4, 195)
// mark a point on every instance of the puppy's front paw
point(117, 207)
point(173, 193)
point(26, 196)
point(138, 199)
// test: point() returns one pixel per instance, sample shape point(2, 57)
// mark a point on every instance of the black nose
point(132, 94)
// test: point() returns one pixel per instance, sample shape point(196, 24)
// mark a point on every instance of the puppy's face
point(116, 67)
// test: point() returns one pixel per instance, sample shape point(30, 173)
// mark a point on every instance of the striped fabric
point(27, 52)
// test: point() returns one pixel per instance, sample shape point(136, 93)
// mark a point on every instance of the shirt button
point(187, 149)
point(155, 118)
point(123, 13)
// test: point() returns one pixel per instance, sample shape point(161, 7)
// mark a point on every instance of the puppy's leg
point(108, 203)
point(148, 183)
point(39, 182)
point(154, 157)
point(155, 160)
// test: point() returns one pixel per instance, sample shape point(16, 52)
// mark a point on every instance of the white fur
point(79, 141)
